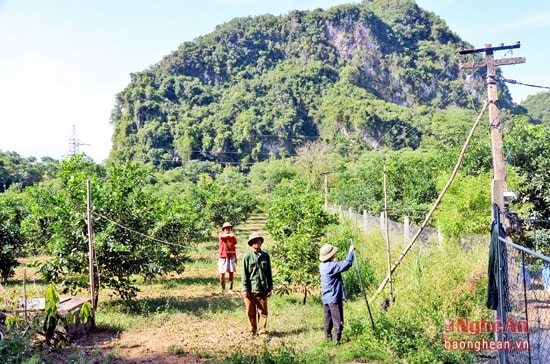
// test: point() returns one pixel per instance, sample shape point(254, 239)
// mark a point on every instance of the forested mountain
point(359, 77)
point(537, 107)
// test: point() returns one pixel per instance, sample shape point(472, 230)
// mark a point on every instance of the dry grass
point(183, 317)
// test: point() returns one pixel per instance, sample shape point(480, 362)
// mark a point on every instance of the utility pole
point(499, 171)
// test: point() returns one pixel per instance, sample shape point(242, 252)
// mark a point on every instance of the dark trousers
point(334, 318)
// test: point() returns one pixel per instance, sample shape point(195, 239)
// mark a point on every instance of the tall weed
point(431, 284)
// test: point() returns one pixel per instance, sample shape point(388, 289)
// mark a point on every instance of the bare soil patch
point(207, 328)
point(186, 338)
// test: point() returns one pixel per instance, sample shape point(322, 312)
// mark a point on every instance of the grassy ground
point(183, 318)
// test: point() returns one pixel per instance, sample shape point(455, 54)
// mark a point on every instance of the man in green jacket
point(257, 283)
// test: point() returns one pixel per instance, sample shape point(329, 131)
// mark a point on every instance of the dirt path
point(178, 338)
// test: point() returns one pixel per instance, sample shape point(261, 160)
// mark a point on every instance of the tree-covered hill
point(16, 170)
point(359, 77)
point(537, 107)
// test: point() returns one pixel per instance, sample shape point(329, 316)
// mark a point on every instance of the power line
point(470, 98)
point(520, 83)
point(184, 162)
point(171, 149)
point(137, 232)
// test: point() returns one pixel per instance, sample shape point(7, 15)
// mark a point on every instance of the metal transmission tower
point(74, 143)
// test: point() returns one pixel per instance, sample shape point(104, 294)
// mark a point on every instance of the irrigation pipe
point(436, 203)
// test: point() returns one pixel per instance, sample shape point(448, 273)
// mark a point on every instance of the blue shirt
point(332, 284)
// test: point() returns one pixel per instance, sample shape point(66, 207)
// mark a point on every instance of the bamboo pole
point(436, 203)
point(386, 223)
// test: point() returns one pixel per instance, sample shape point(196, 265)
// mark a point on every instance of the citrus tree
point(11, 239)
point(137, 229)
point(530, 156)
point(224, 199)
point(297, 222)
point(136, 232)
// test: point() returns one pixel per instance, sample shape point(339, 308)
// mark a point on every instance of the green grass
point(186, 315)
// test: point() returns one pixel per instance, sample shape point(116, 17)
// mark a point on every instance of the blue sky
point(63, 61)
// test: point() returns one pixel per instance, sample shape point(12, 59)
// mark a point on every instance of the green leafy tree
point(360, 185)
point(12, 212)
point(136, 232)
point(411, 183)
point(298, 223)
point(222, 200)
point(537, 107)
point(132, 227)
point(266, 175)
point(530, 156)
point(466, 206)
point(16, 170)
point(57, 224)
point(314, 159)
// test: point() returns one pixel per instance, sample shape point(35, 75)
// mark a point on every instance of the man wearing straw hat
point(227, 256)
point(257, 283)
point(332, 287)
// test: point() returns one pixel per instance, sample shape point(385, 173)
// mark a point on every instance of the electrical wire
point(520, 83)
point(137, 232)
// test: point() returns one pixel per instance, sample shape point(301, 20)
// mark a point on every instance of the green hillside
point(537, 107)
point(359, 77)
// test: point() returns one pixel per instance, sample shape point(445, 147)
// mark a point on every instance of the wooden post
point(498, 186)
point(25, 294)
point(406, 229)
point(91, 247)
point(325, 188)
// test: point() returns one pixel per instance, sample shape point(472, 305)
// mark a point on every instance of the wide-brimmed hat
point(253, 237)
point(226, 224)
point(327, 252)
